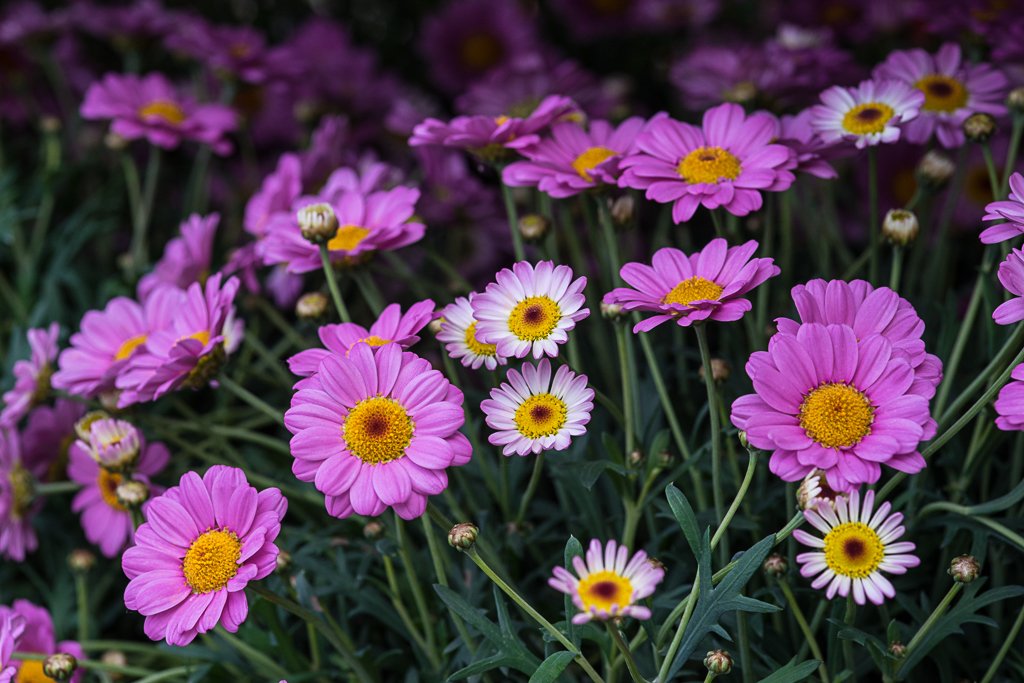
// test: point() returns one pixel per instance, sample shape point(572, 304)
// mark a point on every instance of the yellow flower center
point(477, 346)
point(42, 390)
point(378, 430)
point(604, 589)
point(589, 159)
point(127, 348)
point(481, 51)
point(347, 238)
point(693, 289)
point(541, 415)
point(163, 109)
point(22, 490)
point(868, 118)
point(212, 560)
point(836, 415)
point(942, 93)
point(108, 483)
point(31, 671)
point(240, 50)
point(374, 340)
point(709, 165)
point(534, 318)
point(853, 549)
point(202, 336)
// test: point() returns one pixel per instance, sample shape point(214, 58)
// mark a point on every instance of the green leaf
point(552, 667)
point(684, 515)
point(793, 673)
point(999, 504)
point(573, 548)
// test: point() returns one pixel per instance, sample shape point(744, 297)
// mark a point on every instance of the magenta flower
point(711, 74)
point(31, 375)
point(573, 159)
point(238, 51)
point(277, 193)
point(48, 435)
point(708, 285)
point(825, 399)
point(952, 88)
point(150, 107)
point(1010, 403)
point(106, 522)
point(186, 259)
point(812, 153)
point(107, 339)
point(725, 163)
point(38, 637)
point(870, 114)
point(1010, 210)
point(187, 352)
point(17, 507)
point(458, 334)
point(377, 429)
point(392, 326)
point(203, 541)
point(11, 628)
point(590, 20)
point(1011, 275)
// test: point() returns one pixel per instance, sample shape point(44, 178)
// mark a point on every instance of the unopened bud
point(60, 666)
point(718, 662)
point(283, 561)
point(311, 306)
point(533, 226)
point(1015, 100)
point(935, 169)
point(114, 444)
point(114, 658)
point(814, 489)
point(612, 311)
point(81, 560)
point(964, 568)
point(636, 458)
point(317, 222)
point(742, 436)
point(897, 649)
point(623, 209)
point(666, 458)
point(115, 142)
point(132, 494)
point(979, 127)
point(49, 124)
point(84, 423)
point(435, 325)
point(373, 530)
point(775, 565)
point(463, 536)
point(900, 227)
point(720, 370)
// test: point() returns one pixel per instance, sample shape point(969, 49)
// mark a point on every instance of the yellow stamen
point(477, 346)
point(481, 51)
point(709, 165)
point(378, 430)
point(942, 93)
point(22, 490)
point(534, 318)
point(212, 560)
point(163, 109)
point(541, 415)
point(693, 289)
point(836, 415)
point(853, 549)
point(589, 159)
point(128, 347)
point(604, 589)
point(868, 118)
point(347, 238)
point(108, 483)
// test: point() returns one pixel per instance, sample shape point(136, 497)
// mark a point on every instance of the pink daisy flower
point(38, 637)
point(1010, 403)
point(106, 522)
point(188, 352)
point(1011, 275)
point(459, 335)
point(203, 541)
point(858, 546)
point(186, 259)
point(391, 326)
point(277, 193)
point(108, 339)
point(377, 429)
point(31, 375)
point(1010, 210)
point(530, 309)
point(48, 435)
point(17, 506)
point(608, 583)
point(11, 628)
point(812, 153)
point(150, 107)
point(953, 90)
point(726, 162)
point(707, 285)
point(239, 51)
point(825, 399)
point(870, 114)
point(573, 159)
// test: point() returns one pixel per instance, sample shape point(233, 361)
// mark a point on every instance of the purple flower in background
point(1009, 211)
point(1010, 403)
point(31, 375)
point(711, 74)
point(17, 503)
point(49, 433)
point(277, 193)
point(1011, 275)
point(186, 259)
point(873, 113)
point(239, 51)
point(39, 637)
point(812, 154)
point(593, 19)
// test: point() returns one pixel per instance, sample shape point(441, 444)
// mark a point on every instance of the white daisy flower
point(867, 115)
point(814, 489)
point(459, 334)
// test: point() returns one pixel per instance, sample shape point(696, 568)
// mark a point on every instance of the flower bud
point(636, 457)
point(720, 370)
point(979, 127)
point(85, 422)
point(1015, 100)
point(283, 561)
point(81, 560)
point(435, 325)
point(666, 458)
point(114, 658)
point(533, 226)
point(612, 311)
point(897, 649)
point(623, 209)
point(373, 530)
point(311, 306)
point(60, 666)
point(49, 124)
point(132, 494)
point(775, 565)
point(814, 489)
point(718, 662)
point(964, 568)
point(900, 227)
point(742, 436)
point(463, 536)
point(935, 169)
point(115, 142)
point(317, 222)
point(114, 444)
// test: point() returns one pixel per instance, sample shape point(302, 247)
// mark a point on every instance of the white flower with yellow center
point(529, 309)
point(857, 548)
point(459, 335)
point(533, 412)
point(868, 115)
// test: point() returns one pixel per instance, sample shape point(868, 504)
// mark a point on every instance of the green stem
point(716, 220)
point(251, 399)
point(531, 488)
point(850, 619)
point(442, 578)
point(513, 222)
point(628, 405)
point(1012, 344)
point(716, 434)
point(604, 217)
point(403, 613)
point(368, 288)
point(936, 614)
point(332, 284)
point(167, 674)
point(82, 603)
point(140, 248)
point(1011, 154)
point(897, 267)
point(747, 478)
point(873, 209)
point(990, 673)
point(805, 628)
point(56, 488)
point(993, 174)
point(262, 661)
point(666, 402)
point(634, 672)
point(411, 575)
point(90, 664)
point(677, 639)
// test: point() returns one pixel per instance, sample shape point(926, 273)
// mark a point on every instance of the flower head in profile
point(707, 285)
point(1009, 212)
point(1011, 275)
point(814, 490)
point(870, 114)
point(31, 375)
point(534, 412)
point(38, 637)
point(828, 400)
point(277, 193)
point(726, 162)
point(459, 335)
point(151, 107)
point(574, 159)
point(18, 504)
point(203, 541)
point(11, 628)
point(237, 51)
point(1010, 403)
point(609, 583)
point(812, 153)
point(48, 435)
point(186, 259)
point(113, 444)
point(859, 546)
point(530, 309)
point(953, 90)
point(377, 428)
point(391, 326)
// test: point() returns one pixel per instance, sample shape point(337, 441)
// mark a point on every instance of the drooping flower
point(812, 153)
point(17, 503)
point(38, 637)
point(203, 541)
point(709, 284)
point(870, 114)
point(1010, 213)
point(1010, 403)
point(530, 309)
point(609, 583)
point(151, 107)
point(857, 548)
point(533, 412)
point(186, 259)
point(953, 90)
point(391, 326)
point(575, 159)
point(814, 490)
point(11, 628)
point(106, 522)
point(49, 433)
point(458, 333)
point(376, 429)
point(31, 375)
point(828, 400)
point(725, 163)
point(1011, 275)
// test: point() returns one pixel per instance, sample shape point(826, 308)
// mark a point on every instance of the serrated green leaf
point(793, 673)
point(552, 667)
